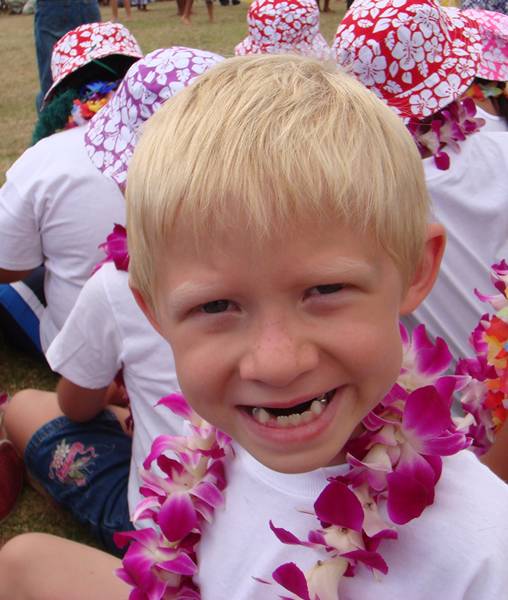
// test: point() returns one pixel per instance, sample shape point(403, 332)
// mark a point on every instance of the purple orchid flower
point(151, 566)
point(115, 248)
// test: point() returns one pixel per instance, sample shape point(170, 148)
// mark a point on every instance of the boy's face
point(284, 345)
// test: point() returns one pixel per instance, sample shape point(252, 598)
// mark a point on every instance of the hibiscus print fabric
point(280, 27)
point(411, 53)
point(89, 42)
point(112, 134)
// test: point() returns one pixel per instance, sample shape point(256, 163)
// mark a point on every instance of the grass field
point(157, 28)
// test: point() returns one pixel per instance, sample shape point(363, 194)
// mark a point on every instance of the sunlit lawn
point(157, 28)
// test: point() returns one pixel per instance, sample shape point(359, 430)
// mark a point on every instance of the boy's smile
point(287, 343)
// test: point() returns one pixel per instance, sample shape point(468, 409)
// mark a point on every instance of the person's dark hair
point(55, 115)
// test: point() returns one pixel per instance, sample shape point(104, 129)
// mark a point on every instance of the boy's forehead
point(326, 244)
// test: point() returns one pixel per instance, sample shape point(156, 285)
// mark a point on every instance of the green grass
point(159, 27)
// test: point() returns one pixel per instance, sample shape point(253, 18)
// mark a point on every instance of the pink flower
point(151, 566)
point(116, 249)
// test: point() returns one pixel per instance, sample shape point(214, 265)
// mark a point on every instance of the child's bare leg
point(27, 411)
point(187, 9)
point(114, 9)
point(127, 6)
point(209, 8)
point(180, 4)
point(37, 566)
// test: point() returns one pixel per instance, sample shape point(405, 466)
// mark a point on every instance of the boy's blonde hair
point(269, 145)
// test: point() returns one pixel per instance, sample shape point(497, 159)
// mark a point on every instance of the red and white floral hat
point(411, 53)
point(112, 133)
point(284, 26)
point(86, 43)
point(494, 31)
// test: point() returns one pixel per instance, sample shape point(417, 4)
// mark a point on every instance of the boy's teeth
point(316, 407)
point(263, 416)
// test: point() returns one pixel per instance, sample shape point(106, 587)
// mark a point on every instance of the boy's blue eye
point(216, 306)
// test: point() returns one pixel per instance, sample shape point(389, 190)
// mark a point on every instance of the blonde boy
point(277, 231)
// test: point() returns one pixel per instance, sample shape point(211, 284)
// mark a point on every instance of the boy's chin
point(295, 463)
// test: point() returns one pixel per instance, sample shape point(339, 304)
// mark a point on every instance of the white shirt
point(107, 331)
point(56, 208)
point(455, 551)
point(471, 200)
point(492, 122)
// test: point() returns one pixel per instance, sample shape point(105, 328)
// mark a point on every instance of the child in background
point(277, 27)
point(277, 270)
point(489, 90)
point(83, 459)
point(56, 207)
point(421, 60)
point(114, 9)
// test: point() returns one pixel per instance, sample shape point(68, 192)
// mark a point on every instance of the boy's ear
point(426, 274)
point(146, 309)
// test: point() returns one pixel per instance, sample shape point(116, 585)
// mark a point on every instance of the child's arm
point(7, 276)
point(497, 457)
point(79, 403)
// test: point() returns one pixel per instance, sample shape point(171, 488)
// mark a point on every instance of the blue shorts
point(84, 467)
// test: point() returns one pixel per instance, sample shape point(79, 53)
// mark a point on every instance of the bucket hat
point(413, 54)
point(112, 133)
point(284, 26)
point(494, 33)
point(87, 43)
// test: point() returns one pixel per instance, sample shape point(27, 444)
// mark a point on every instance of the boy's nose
point(277, 356)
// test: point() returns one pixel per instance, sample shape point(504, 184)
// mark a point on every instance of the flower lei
point(485, 400)
point(445, 128)
point(395, 462)
point(92, 97)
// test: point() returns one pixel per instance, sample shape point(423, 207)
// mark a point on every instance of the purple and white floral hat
point(112, 134)
point(277, 26)
point(413, 54)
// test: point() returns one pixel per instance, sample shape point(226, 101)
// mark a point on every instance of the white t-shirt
point(56, 208)
point(455, 551)
point(107, 331)
point(471, 200)
point(492, 122)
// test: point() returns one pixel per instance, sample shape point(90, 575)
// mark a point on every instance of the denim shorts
point(84, 467)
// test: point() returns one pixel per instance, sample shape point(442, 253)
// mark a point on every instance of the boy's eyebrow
point(189, 291)
point(343, 266)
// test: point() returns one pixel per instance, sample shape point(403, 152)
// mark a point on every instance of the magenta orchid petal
point(371, 559)
point(208, 493)
point(177, 516)
point(144, 508)
point(285, 536)
point(181, 565)
point(446, 445)
point(177, 404)
point(426, 413)
point(290, 577)
point(161, 444)
point(410, 489)
point(338, 505)
point(430, 358)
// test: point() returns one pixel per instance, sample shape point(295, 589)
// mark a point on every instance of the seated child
point(55, 206)
point(276, 27)
point(277, 270)
point(88, 454)
point(421, 60)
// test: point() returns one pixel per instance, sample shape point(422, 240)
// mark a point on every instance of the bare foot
point(185, 20)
